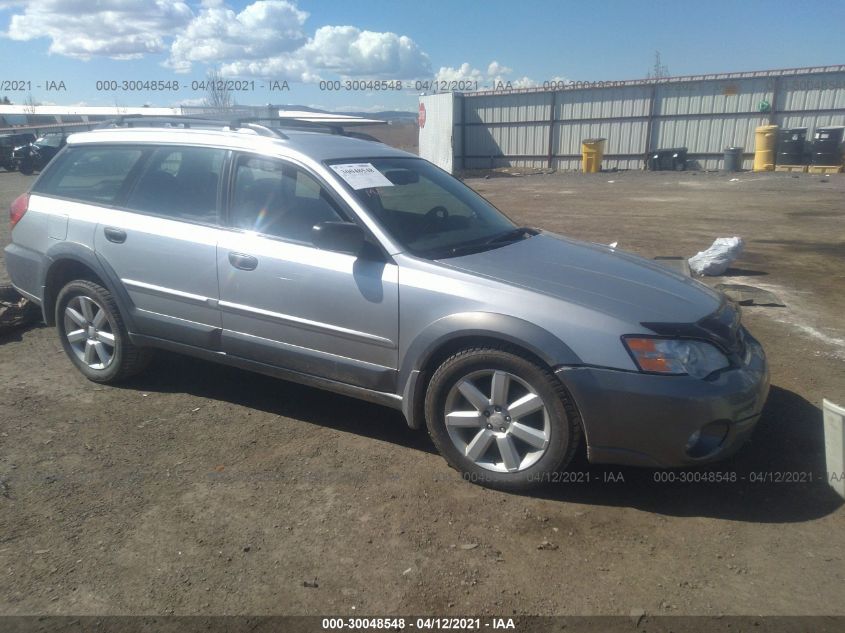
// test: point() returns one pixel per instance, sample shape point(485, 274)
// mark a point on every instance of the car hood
point(594, 276)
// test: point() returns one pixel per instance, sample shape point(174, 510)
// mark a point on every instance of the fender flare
point(540, 342)
point(86, 256)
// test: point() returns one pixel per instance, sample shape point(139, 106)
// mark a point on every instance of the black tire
point(26, 168)
point(127, 359)
point(564, 422)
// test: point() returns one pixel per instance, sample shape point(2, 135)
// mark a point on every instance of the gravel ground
point(200, 489)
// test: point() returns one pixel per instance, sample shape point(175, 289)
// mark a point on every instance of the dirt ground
point(200, 489)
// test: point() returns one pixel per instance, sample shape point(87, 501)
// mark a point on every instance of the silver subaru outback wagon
point(348, 265)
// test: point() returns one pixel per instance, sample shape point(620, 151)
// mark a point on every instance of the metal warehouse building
point(543, 128)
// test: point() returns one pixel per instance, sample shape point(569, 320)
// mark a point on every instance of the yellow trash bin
point(765, 146)
point(592, 151)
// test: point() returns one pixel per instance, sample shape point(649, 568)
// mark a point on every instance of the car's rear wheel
point(94, 336)
point(501, 419)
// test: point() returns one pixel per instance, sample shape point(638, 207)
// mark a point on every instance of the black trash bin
point(792, 146)
point(672, 159)
point(733, 158)
point(827, 146)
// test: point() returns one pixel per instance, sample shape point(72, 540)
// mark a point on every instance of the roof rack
point(249, 123)
point(158, 120)
point(274, 129)
point(290, 123)
point(186, 122)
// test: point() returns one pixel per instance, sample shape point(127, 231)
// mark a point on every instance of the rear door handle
point(242, 261)
point(118, 236)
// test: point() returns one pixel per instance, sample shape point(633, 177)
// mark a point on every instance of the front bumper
point(642, 419)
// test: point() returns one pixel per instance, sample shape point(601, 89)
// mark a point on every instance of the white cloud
point(266, 39)
point(122, 29)
point(282, 67)
point(495, 68)
point(523, 82)
point(349, 51)
point(497, 74)
point(464, 72)
point(263, 30)
point(340, 50)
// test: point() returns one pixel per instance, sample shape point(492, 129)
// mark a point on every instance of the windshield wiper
point(512, 235)
point(500, 239)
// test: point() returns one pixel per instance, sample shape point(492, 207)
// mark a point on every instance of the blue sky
point(303, 42)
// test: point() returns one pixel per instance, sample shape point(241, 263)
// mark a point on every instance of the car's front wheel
point(501, 419)
point(93, 334)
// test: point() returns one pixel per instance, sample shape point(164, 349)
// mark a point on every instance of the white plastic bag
point(716, 259)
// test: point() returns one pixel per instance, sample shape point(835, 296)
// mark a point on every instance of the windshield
point(49, 141)
point(427, 211)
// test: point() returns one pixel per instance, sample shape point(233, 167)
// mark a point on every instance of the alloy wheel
point(497, 420)
point(90, 332)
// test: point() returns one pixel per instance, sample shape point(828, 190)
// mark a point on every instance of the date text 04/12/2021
point(423, 623)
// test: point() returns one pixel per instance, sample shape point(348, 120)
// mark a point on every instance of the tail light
point(18, 208)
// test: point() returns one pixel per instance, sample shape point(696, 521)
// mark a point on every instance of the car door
point(285, 302)
point(162, 244)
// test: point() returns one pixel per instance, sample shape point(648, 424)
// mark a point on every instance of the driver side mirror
point(341, 237)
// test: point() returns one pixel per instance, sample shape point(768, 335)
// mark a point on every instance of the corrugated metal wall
point(536, 129)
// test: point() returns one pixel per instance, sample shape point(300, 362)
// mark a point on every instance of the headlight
point(675, 356)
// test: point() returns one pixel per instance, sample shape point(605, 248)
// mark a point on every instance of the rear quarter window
point(89, 174)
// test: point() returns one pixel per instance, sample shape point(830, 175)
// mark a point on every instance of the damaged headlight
point(675, 356)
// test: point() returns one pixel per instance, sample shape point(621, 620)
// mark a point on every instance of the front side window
point(426, 210)
point(89, 174)
point(180, 183)
point(275, 198)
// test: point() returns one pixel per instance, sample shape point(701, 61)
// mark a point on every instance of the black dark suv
point(35, 155)
point(8, 143)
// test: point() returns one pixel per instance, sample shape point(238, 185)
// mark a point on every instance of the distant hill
point(402, 116)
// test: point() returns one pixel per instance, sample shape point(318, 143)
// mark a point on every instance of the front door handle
point(118, 236)
point(242, 261)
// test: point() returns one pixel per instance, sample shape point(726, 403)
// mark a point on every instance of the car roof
point(318, 146)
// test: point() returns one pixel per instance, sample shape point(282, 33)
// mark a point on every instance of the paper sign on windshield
point(361, 175)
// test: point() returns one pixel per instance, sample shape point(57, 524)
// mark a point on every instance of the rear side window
point(179, 183)
point(89, 174)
